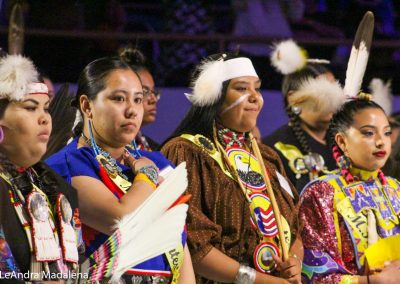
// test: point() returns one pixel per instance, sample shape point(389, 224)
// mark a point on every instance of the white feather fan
point(137, 237)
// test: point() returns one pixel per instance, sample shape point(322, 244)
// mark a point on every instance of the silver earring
point(296, 110)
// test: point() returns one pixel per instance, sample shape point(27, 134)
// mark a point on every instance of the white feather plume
point(359, 56)
point(139, 232)
point(287, 57)
point(355, 70)
point(382, 94)
point(16, 72)
point(319, 95)
point(207, 86)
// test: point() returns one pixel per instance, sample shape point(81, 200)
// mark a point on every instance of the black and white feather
point(359, 56)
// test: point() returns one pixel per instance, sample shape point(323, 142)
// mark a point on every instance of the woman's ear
point(84, 104)
point(341, 141)
point(290, 98)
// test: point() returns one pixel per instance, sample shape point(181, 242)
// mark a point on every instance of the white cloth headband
point(238, 67)
point(207, 87)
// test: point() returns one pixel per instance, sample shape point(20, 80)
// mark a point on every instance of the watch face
point(66, 210)
point(38, 207)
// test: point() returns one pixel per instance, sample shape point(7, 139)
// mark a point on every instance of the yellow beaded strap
point(145, 178)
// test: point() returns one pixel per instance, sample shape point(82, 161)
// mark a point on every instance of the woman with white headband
point(239, 188)
point(39, 218)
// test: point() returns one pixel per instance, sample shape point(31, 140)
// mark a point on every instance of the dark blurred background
point(62, 36)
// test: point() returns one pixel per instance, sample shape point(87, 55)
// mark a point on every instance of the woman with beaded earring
point(346, 215)
point(242, 214)
point(350, 218)
point(311, 95)
point(39, 218)
point(112, 177)
point(151, 95)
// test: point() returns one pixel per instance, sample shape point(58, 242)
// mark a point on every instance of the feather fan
point(137, 236)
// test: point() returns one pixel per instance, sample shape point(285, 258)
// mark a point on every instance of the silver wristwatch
point(245, 275)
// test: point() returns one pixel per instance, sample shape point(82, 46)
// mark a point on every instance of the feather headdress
point(382, 94)
point(318, 95)
point(287, 57)
point(137, 236)
point(207, 86)
point(17, 73)
point(359, 56)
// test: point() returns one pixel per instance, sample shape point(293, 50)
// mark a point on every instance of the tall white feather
point(355, 70)
point(359, 56)
point(382, 94)
point(136, 229)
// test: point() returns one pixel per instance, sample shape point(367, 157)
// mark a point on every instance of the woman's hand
point(390, 274)
point(137, 164)
point(289, 269)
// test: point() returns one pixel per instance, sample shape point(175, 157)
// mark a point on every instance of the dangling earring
point(344, 162)
point(1, 134)
point(296, 110)
point(136, 149)
point(92, 140)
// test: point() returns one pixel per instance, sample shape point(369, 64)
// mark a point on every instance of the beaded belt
point(147, 279)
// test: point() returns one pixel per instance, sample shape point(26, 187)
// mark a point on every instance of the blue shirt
point(72, 161)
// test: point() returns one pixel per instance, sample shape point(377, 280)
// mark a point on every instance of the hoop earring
point(1, 134)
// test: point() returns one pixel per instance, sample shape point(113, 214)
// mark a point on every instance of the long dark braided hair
point(292, 82)
point(341, 121)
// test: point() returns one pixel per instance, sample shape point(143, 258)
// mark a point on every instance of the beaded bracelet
point(145, 178)
point(151, 172)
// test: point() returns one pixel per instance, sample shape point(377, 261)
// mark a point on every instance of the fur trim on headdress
point(287, 57)
point(208, 85)
point(382, 94)
point(16, 72)
point(318, 95)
